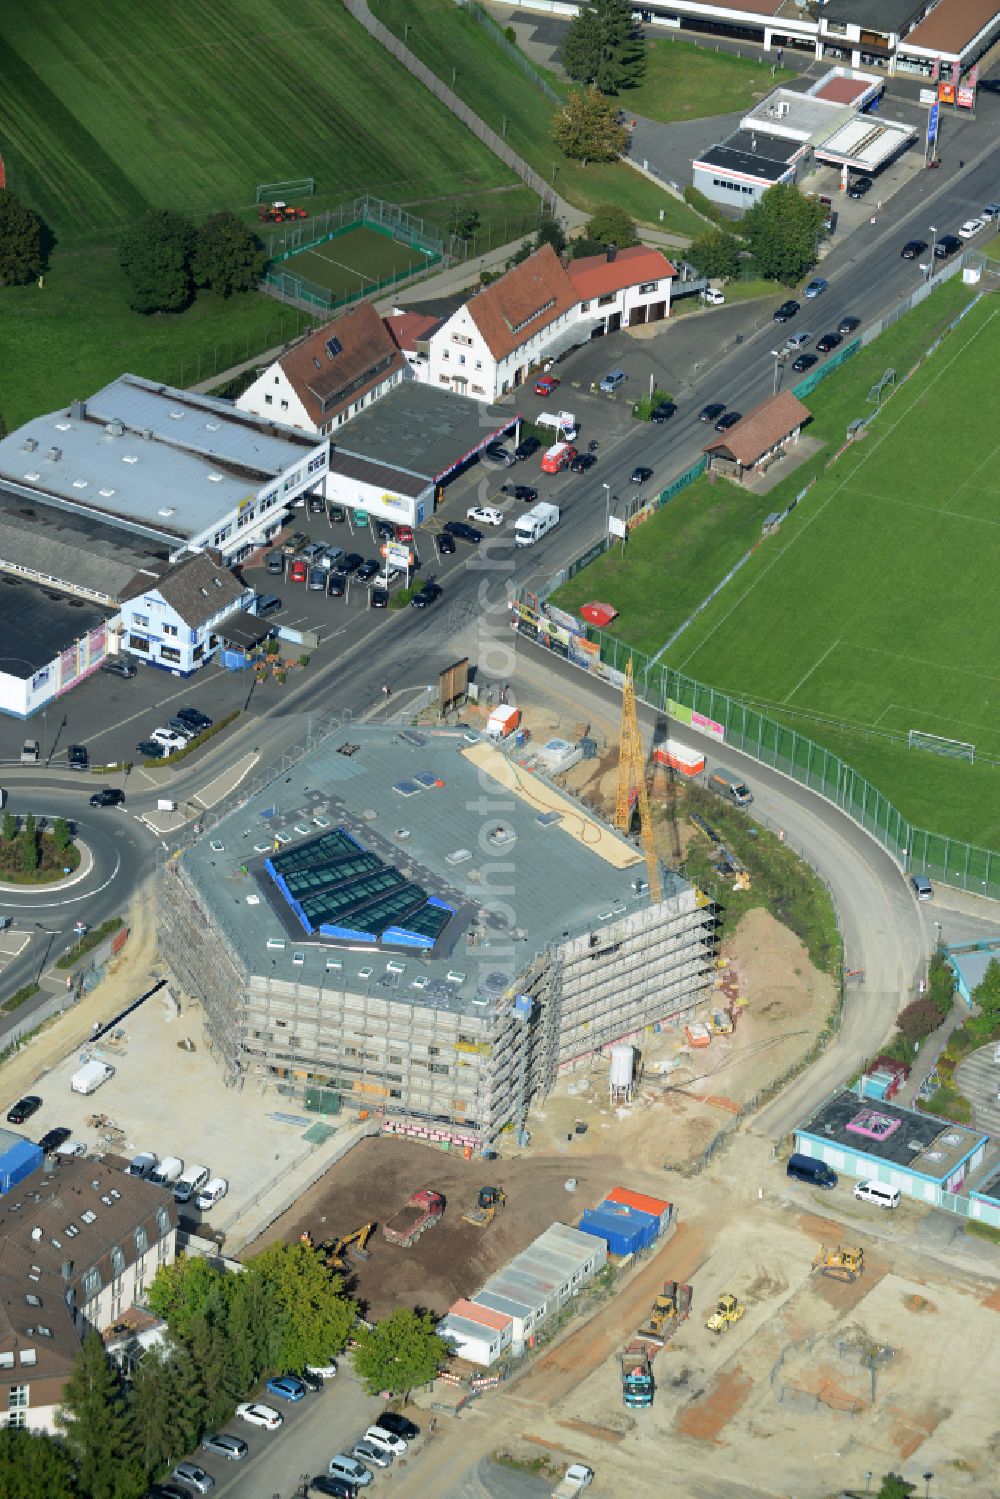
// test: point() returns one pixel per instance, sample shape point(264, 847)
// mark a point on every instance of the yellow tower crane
point(632, 779)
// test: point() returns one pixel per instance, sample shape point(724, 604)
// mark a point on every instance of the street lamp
point(933, 243)
point(607, 508)
point(927, 1483)
point(777, 354)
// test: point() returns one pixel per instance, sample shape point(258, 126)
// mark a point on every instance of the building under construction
point(410, 923)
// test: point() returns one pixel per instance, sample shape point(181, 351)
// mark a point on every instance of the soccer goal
point(956, 749)
point(280, 192)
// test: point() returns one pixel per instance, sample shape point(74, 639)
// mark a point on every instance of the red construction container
point(598, 614)
point(654, 1206)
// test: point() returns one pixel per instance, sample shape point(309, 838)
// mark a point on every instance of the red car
point(404, 533)
point(546, 386)
point(299, 571)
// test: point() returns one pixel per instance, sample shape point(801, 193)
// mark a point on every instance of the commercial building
point(329, 376)
point(408, 924)
point(79, 1243)
point(621, 288)
point(395, 460)
point(166, 466)
point(969, 961)
point(538, 1282)
point(925, 1157)
point(747, 450)
point(172, 617)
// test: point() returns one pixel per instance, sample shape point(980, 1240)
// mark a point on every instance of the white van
point(167, 1171)
point(342, 1466)
point(213, 1192)
point(90, 1076)
point(192, 1181)
point(877, 1192)
point(563, 423)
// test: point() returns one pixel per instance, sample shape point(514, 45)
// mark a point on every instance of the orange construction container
point(698, 1034)
point(654, 1206)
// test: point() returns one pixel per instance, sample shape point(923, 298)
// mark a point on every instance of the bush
point(89, 941)
point(708, 210)
point(919, 1019)
point(644, 408)
point(19, 996)
point(402, 597)
point(948, 1103)
point(198, 740)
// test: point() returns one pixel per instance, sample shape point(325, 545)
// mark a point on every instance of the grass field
point(108, 108)
point(353, 262)
point(492, 84)
point(685, 81)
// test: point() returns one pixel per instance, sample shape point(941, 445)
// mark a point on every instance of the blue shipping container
point(18, 1162)
point(625, 1230)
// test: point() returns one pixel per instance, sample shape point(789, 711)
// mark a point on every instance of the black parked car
point(338, 514)
point(198, 720)
point(663, 412)
point(379, 598)
point(119, 666)
point(77, 757)
point(913, 248)
point(337, 585)
point(398, 1425)
point(581, 463)
point(786, 311)
point(526, 448)
point(275, 563)
point(108, 796)
point(804, 362)
point(464, 532)
point(495, 452)
point(712, 411)
point(828, 342)
point(520, 492)
point(446, 545)
point(429, 594)
point(266, 603)
point(350, 563)
point(53, 1138)
point(385, 530)
point(848, 324)
point(21, 1111)
point(729, 420)
point(859, 187)
point(947, 245)
point(151, 749)
point(368, 570)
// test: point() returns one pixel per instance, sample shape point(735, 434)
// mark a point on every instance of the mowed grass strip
point(684, 81)
point(108, 107)
point(485, 76)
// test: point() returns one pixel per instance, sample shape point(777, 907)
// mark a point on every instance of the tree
point(313, 1318)
point(918, 1019)
point(611, 225)
point(252, 1344)
point(32, 1462)
point(605, 47)
point(463, 221)
point(29, 845)
point(155, 255)
point(153, 1414)
point(212, 1349)
point(550, 232)
point(716, 254)
point(97, 1429)
point(399, 1353)
point(782, 231)
point(9, 827)
point(228, 256)
point(895, 1487)
point(987, 992)
point(586, 129)
point(185, 1289)
point(21, 253)
point(61, 835)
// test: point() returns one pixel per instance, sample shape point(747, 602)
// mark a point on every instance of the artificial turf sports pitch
point(874, 611)
point(353, 264)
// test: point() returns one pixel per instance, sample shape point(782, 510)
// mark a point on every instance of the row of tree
point(165, 257)
point(226, 1333)
point(780, 232)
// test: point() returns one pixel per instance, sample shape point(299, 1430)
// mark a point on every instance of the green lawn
point(444, 37)
point(685, 81)
point(77, 333)
point(110, 107)
point(675, 559)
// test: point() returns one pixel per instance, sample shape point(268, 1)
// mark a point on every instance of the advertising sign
point(932, 123)
point(966, 98)
point(927, 96)
point(956, 72)
point(946, 93)
point(616, 525)
point(936, 70)
point(694, 719)
point(397, 554)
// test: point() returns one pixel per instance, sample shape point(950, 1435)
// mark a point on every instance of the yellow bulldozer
point(728, 1311)
point(840, 1263)
point(488, 1204)
point(338, 1253)
point(669, 1308)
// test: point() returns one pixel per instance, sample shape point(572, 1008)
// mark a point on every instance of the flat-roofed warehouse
point(408, 920)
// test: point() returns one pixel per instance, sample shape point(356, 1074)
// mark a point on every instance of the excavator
point(488, 1204)
point(840, 1263)
point(335, 1251)
point(728, 1311)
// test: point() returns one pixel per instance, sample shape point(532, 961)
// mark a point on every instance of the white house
point(331, 375)
point(411, 333)
point(170, 618)
point(476, 1333)
point(622, 287)
point(80, 1243)
point(487, 347)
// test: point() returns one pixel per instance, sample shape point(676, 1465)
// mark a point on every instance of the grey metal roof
point(918, 1142)
point(424, 431)
point(361, 778)
point(76, 550)
point(744, 162)
point(39, 622)
point(878, 15)
point(383, 475)
point(803, 116)
point(201, 456)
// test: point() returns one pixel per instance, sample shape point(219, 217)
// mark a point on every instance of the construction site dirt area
point(452, 1259)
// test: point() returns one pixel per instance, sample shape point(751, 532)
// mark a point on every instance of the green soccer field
point(874, 610)
point(109, 108)
point(353, 262)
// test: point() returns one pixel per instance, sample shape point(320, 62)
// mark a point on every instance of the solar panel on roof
point(426, 778)
point(334, 347)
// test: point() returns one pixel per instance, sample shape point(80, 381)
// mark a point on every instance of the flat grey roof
point(972, 964)
point(878, 15)
point(74, 549)
point(744, 162)
point(919, 1142)
point(425, 432)
point(378, 473)
point(39, 622)
point(758, 143)
point(788, 112)
point(200, 460)
point(380, 783)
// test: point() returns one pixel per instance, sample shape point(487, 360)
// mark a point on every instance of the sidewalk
point(929, 1052)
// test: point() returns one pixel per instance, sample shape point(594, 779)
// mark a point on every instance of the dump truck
point(489, 1201)
point(637, 1376)
point(666, 1313)
point(421, 1212)
point(728, 1311)
point(840, 1263)
point(576, 1478)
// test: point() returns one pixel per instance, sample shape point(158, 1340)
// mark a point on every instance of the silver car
point(223, 1445)
point(196, 1478)
point(375, 1457)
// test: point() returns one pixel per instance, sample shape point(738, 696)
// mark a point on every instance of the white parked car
point(798, 340)
point(211, 1193)
point(971, 227)
point(379, 1437)
point(323, 1371)
point(259, 1415)
point(168, 737)
point(487, 515)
